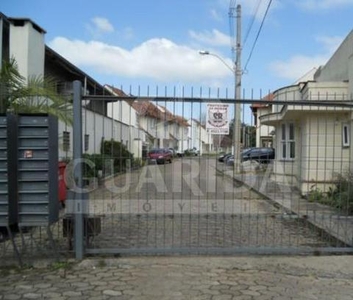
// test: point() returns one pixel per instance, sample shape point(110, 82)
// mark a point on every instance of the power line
point(252, 22)
point(258, 34)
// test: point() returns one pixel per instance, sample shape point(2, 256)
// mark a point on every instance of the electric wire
point(258, 34)
point(251, 23)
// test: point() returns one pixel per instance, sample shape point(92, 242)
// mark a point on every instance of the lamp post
point(237, 72)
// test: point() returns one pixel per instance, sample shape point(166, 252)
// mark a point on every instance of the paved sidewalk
point(199, 277)
point(290, 201)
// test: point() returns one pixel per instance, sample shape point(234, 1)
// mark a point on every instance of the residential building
point(313, 143)
point(163, 128)
point(24, 40)
point(198, 138)
point(123, 112)
point(264, 133)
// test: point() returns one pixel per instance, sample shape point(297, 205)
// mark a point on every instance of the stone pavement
point(201, 277)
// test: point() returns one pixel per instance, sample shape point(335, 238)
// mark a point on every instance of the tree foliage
point(118, 152)
point(34, 95)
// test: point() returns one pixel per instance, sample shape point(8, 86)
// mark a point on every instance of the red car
point(161, 155)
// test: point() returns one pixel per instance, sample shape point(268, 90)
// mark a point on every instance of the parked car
point(192, 152)
point(173, 151)
point(179, 153)
point(223, 157)
point(261, 155)
point(229, 160)
point(160, 155)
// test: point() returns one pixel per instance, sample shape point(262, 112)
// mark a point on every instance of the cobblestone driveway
point(216, 278)
point(188, 205)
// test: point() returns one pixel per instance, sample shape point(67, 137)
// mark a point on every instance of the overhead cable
point(258, 34)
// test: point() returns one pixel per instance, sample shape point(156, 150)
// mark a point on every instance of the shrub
point(342, 194)
point(315, 195)
point(118, 153)
point(89, 170)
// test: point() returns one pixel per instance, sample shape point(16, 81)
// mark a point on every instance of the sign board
point(217, 120)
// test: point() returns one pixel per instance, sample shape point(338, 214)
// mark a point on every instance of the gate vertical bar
point(77, 156)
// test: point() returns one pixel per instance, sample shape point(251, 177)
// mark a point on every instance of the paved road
point(240, 278)
point(188, 205)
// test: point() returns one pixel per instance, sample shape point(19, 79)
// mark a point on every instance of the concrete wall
point(98, 127)
point(323, 154)
point(328, 90)
point(263, 131)
point(290, 93)
point(336, 69)
point(28, 48)
point(123, 112)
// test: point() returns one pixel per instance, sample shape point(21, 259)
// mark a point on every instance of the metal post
point(237, 96)
point(77, 156)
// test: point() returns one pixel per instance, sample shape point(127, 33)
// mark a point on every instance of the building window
point(66, 141)
point(345, 135)
point(86, 142)
point(153, 123)
point(137, 124)
point(288, 141)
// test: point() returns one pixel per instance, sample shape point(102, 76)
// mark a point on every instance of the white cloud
point(323, 4)
point(214, 37)
point(159, 59)
point(99, 26)
point(102, 24)
point(298, 65)
point(216, 15)
point(330, 43)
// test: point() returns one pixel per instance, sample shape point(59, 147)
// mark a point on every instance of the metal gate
point(189, 198)
point(148, 175)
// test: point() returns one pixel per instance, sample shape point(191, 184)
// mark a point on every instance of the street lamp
point(204, 52)
point(237, 125)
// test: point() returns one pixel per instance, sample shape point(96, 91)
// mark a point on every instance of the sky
point(152, 47)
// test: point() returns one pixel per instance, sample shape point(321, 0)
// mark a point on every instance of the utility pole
point(237, 94)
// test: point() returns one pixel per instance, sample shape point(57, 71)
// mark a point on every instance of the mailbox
point(8, 165)
point(37, 160)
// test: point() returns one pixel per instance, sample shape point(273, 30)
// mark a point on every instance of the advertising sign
point(217, 121)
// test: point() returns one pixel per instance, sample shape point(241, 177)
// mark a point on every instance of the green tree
point(118, 152)
point(35, 95)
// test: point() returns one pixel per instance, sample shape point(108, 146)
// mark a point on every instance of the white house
point(127, 116)
point(163, 129)
point(264, 133)
point(24, 40)
point(313, 143)
point(198, 138)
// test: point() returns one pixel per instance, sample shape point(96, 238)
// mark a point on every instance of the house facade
point(264, 133)
point(313, 141)
point(163, 129)
point(24, 40)
point(198, 138)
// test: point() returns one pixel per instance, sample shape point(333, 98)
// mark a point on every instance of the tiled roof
point(145, 107)
point(268, 97)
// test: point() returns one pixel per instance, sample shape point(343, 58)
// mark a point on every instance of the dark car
point(161, 156)
point(261, 155)
point(229, 161)
point(224, 156)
